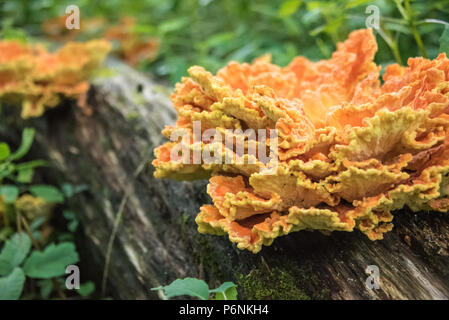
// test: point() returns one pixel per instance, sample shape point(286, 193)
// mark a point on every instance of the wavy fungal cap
point(37, 79)
point(350, 149)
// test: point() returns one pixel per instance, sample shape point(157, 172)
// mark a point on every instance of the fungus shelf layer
point(350, 150)
point(36, 79)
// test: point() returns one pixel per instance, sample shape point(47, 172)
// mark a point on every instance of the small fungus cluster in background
point(127, 43)
point(132, 47)
point(351, 149)
point(37, 79)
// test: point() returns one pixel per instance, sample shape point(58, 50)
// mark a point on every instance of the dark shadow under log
point(157, 239)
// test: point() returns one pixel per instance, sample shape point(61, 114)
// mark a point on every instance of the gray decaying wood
point(157, 241)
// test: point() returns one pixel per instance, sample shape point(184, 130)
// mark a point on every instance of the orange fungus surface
point(350, 150)
point(37, 79)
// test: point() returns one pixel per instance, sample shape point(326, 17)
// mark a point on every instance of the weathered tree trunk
point(157, 239)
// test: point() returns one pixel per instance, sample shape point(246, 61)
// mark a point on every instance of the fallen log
point(138, 232)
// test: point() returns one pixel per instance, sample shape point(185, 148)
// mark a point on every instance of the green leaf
point(6, 169)
point(5, 233)
point(86, 289)
point(289, 7)
point(227, 291)
point(355, 3)
point(9, 192)
point(217, 40)
point(37, 223)
point(7, 31)
point(25, 170)
point(25, 175)
point(31, 164)
point(80, 188)
point(173, 25)
point(144, 29)
point(46, 287)
point(444, 41)
point(188, 286)
point(67, 189)
point(4, 151)
point(70, 190)
point(51, 262)
point(48, 193)
point(73, 221)
point(11, 286)
point(14, 252)
point(27, 140)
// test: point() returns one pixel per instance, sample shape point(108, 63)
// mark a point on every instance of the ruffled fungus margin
point(350, 149)
point(37, 79)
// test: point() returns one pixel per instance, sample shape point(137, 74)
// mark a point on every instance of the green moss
point(288, 282)
point(205, 255)
point(310, 283)
point(285, 281)
point(274, 284)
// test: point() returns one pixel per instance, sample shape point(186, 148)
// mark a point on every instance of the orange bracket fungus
point(133, 47)
point(349, 149)
point(37, 79)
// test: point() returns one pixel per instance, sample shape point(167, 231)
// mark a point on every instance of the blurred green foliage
point(212, 32)
point(34, 256)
